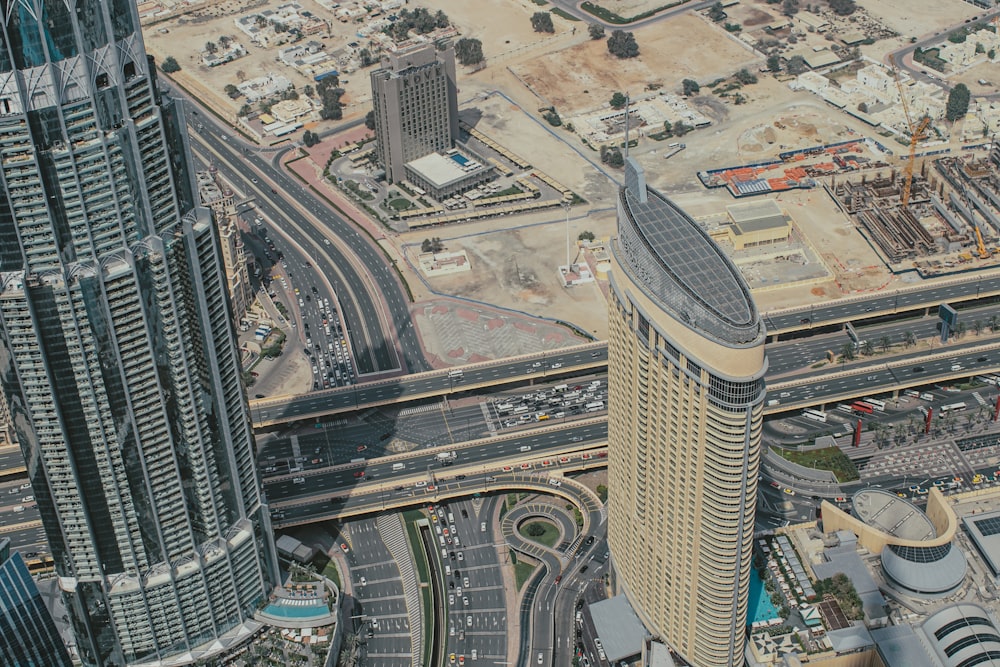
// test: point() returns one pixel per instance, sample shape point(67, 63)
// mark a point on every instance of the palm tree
point(909, 338)
point(885, 343)
point(846, 353)
point(867, 348)
point(977, 326)
point(994, 323)
point(960, 329)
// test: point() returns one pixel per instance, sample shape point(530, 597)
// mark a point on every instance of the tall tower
point(415, 103)
point(117, 352)
point(685, 372)
point(28, 635)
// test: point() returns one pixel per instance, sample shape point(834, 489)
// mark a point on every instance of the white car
point(460, 556)
point(451, 600)
point(364, 582)
point(465, 601)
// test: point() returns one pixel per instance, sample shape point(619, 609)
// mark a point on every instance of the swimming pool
point(460, 159)
point(304, 611)
point(760, 608)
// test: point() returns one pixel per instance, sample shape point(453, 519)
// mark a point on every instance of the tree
point(241, 76)
point(957, 37)
point(796, 65)
point(618, 101)
point(846, 353)
point(774, 63)
point(245, 110)
point(596, 31)
point(170, 65)
point(310, 139)
point(717, 13)
point(552, 118)
point(622, 44)
point(225, 41)
point(210, 47)
point(469, 51)
point(909, 339)
point(745, 76)
point(329, 94)
point(232, 91)
point(586, 236)
point(535, 529)
point(680, 128)
point(691, 87)
point(843, 7)
point(542, 22)
point(366, 57)
point(790, 7)
point(370, 120)
point(307, 90)
point(958, 102)
point(441, 19)
point(612, 157)
point(885, 343)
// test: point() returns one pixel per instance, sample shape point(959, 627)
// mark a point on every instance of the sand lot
point(919, 17)
point(585, 76)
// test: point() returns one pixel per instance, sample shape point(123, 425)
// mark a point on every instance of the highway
point(369, 292)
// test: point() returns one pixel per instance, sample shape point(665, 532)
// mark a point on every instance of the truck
point(447, 456)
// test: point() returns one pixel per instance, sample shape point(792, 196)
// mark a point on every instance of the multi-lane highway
point(370, 294)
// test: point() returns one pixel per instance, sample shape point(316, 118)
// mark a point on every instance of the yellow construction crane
point(916, 134)
point(980, 246)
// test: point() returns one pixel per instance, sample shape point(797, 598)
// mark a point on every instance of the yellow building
point(685, 371)
point(757, 223)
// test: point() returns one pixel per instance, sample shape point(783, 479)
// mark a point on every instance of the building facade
point(220, 198)
point(685, 372)
point(117, 352)
point(415, 103)
point(28, 635)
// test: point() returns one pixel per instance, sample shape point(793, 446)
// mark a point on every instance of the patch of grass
point(549, 533)
point(522, 571)
point(828, 458)
point(331, 572)
point(400, 204)
point(540, 3)
point(611, 17)
point(410, 518)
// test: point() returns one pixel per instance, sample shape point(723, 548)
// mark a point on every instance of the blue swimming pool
point(304, 611)
point(761, 608)
point(460, 159)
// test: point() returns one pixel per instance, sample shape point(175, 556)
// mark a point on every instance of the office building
point(685, 371)
point(415, 102)
point(28, 635)
point(117, 351)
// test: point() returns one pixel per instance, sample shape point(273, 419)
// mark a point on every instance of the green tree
point(796, 65)
point(790, 7)
point(994, 323)
point(716, 12)
point(534, 529)
point(310, 139)
point(909, 339)
point(618, 101)
point(596, 31)
point(245, 110)
point(586, 236)
point(774, 63)
point(957, 37)
point(622, 44)
point(542, 22)
point(732, 27)
point(885, 343)
point(224, 41)
point(612, 157)
point(232, 91)
point(868, 348)
point(681, 128)
point(745, 76)
point(210, 47)
point(170, 65)
point(469, 51)
point(370, 120)
point(843, 7)
point(366, 57)
point(846, 353)
point(330, 93)
point(958, 102)
point(307, 90)
point(691, 87)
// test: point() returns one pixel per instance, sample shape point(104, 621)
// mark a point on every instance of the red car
point(563, 459)
point(360, 473)
point(507, 469)
point(602, 455)
point(586, 456)
point(343, 547)
point(525, 466)
point(546, 463)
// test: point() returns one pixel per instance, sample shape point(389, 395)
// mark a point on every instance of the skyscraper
point(415, 101)
point(117, 353)
point(28, 636)
point(685, 373)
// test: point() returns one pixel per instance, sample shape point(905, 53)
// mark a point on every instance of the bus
point(861, 406)
point(594, 407)
point(951, 407)
point(455, 374)
point(504, 407)
point(875, 403)
point(815, 415)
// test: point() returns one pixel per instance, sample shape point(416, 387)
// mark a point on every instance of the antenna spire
point(626, 122)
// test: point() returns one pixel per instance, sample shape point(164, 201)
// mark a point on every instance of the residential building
point(117, 354)
point(686, 392)
point(415, 102)
point(221, 199)
point(28, 635)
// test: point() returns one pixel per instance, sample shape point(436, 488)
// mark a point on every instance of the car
point(465, 514)
point(465, 582)
point(13, 491)
point(18, 509)
point(259, 396)
point(555, 482)
point(451, 658)
point(359, 474)
point(420, 484)
point(589, 540)
point(539, 658)
point(482, 527)
point(468, 621)
point(459, 477)
point(31, 499)
point(584, 569)
point(445, 532)
point(563, 459)
point(775, 485)
point(451, 555)
point(546, 463)
point(789, 492)
point(918, 369)
point(602, 455)
point(508, 469)
point(465, 602)
point(362, 448)
point(576, 438)
point(460, 556)
point(586, 456)
point(451, 599)
point(458, 589)
point(558, 578)
point(343, 547)
point(364, 582)
point(525, 466)
point(451, 631)
point(451, 584)
point(461, 659)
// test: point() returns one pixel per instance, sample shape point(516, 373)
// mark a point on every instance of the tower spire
point(626, 122)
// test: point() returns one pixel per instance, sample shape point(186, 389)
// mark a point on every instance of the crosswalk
point(390, 528)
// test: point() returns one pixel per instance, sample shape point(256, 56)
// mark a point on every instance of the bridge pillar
point(774, 338)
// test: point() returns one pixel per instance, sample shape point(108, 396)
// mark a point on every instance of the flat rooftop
point(442, 170)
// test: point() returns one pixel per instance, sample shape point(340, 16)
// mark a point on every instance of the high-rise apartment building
point(686, 387)
point(415, 101)
point(220, 198)
point(28, 635)
point(117, 351)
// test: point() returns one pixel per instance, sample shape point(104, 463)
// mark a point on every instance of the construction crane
point(980, 246)
point(916, 135)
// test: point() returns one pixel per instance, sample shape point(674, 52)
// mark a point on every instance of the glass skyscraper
point(28, 636)
point(117, 353)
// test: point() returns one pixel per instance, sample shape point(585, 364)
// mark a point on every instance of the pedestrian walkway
point(390, 527)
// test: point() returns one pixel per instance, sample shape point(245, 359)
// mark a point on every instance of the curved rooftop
point(925, 571)
point(964, 634)
point(893, 515)
point(681, 266)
